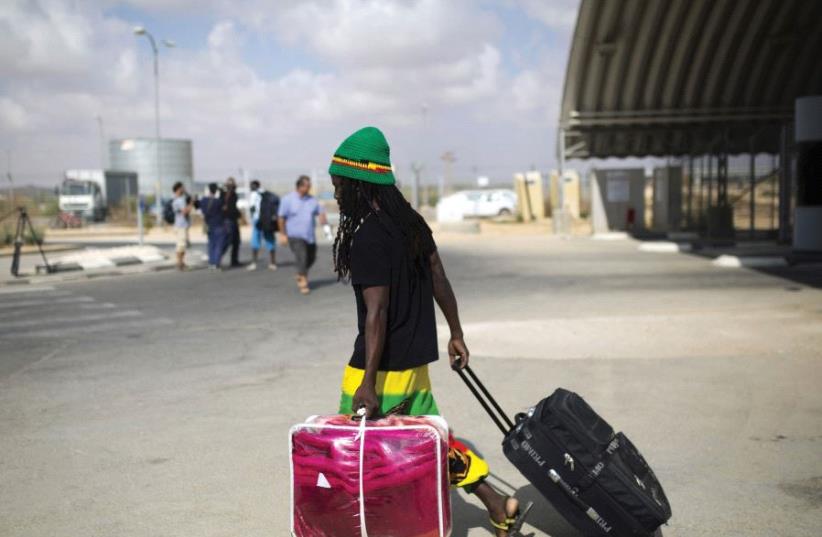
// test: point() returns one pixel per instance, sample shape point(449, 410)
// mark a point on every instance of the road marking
point(48, 302)
point(82, 331)
point(71, 319)
point(26, 289)
point(54, 311)
point(97, 306)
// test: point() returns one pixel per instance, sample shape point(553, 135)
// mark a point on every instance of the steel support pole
point(785, 186)
point(689, 203)
point(710, 183)
point(559, 219)
point(140, 230)
point(158, 184)
point(701, 201)
point(752, 224)
point(722, 180)
point(774, 186)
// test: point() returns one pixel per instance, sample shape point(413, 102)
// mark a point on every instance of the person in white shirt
point(263, 224)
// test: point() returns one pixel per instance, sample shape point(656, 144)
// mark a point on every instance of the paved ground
point(158, 404)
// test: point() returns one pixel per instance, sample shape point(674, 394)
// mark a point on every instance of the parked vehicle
point(477, 204)
point(89, 194)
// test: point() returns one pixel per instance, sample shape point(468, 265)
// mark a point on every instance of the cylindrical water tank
point(140, 155)
point(807, 231)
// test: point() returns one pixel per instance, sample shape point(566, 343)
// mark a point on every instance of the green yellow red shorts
point(412, 387)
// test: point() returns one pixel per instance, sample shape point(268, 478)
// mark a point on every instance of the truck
point(90, 194)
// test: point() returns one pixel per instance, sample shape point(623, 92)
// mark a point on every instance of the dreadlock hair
point(357, 200)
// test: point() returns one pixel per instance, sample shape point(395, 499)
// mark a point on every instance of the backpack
point(269, 207)
point(168, 212)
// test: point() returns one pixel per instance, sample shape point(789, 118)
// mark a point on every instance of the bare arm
point(283, 236)
point(376, 326)
point(444, 295)
point(323, 219)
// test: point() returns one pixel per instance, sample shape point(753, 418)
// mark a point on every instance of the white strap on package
point(361, 435)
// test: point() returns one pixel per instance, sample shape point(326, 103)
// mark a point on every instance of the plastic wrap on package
point(403, 489)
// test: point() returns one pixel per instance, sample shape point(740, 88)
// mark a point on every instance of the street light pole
point(8, 176)
point(139, 30)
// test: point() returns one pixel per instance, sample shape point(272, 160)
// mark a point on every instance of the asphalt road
point(159, 404)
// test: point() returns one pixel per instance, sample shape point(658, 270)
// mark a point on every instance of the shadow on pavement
point(800, 268)
point(467, 516)
point(323, 282)
point(543, 517)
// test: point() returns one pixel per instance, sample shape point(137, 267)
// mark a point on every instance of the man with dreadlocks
point(386, 250)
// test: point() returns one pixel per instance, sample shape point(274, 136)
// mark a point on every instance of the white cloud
point(526, 90)
point(382, 60)
point(41, 37)
point(12, 114)
point(372, 33)
point(556, 14)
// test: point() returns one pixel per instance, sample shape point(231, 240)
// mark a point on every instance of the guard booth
point(530, 197)
point(667, 206)
point(618, 200)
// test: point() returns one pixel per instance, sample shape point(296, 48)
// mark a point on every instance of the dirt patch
point(807, 490)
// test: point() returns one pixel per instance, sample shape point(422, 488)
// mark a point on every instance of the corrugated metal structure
point(140, 155)
point(689, 78)
point(684, 77)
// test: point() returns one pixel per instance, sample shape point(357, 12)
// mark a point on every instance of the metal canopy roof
point(685, 77)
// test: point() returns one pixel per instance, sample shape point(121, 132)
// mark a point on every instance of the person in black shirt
point(212, 208)
point(387, 252)
point(232, 222)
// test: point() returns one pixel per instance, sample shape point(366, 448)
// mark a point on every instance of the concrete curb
point(735, 261)
point(665, 247)
point(610, 236)
point(80, 275)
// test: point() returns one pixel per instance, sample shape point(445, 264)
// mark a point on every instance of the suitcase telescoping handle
point(487, 401)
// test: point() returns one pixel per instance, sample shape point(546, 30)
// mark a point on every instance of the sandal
point(513, 523)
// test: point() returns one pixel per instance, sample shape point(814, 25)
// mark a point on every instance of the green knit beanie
point(364, 156)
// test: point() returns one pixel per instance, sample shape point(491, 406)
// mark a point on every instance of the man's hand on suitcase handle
point(458, 353)
point(366, 397)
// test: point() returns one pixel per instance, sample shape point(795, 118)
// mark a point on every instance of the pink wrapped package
point(382, 478)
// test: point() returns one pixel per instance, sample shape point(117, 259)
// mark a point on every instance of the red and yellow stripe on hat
point(366, 165)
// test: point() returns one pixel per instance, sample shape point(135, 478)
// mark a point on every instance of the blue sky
point(273, 86)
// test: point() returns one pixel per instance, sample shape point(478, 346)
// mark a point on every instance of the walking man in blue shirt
point(297, 212)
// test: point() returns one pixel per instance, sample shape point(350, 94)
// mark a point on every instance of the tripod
point(23, 220)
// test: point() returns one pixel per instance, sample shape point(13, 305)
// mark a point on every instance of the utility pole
point(138, 31)
point(8, 176)
point(449, 159)
point(416, 167)
point(424, 147)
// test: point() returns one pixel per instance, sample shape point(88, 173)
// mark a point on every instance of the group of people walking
point(290, 221)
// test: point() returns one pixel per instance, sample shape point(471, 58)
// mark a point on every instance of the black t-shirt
point(379, 257)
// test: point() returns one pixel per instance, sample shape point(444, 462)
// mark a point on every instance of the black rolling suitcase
point(593, 476)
